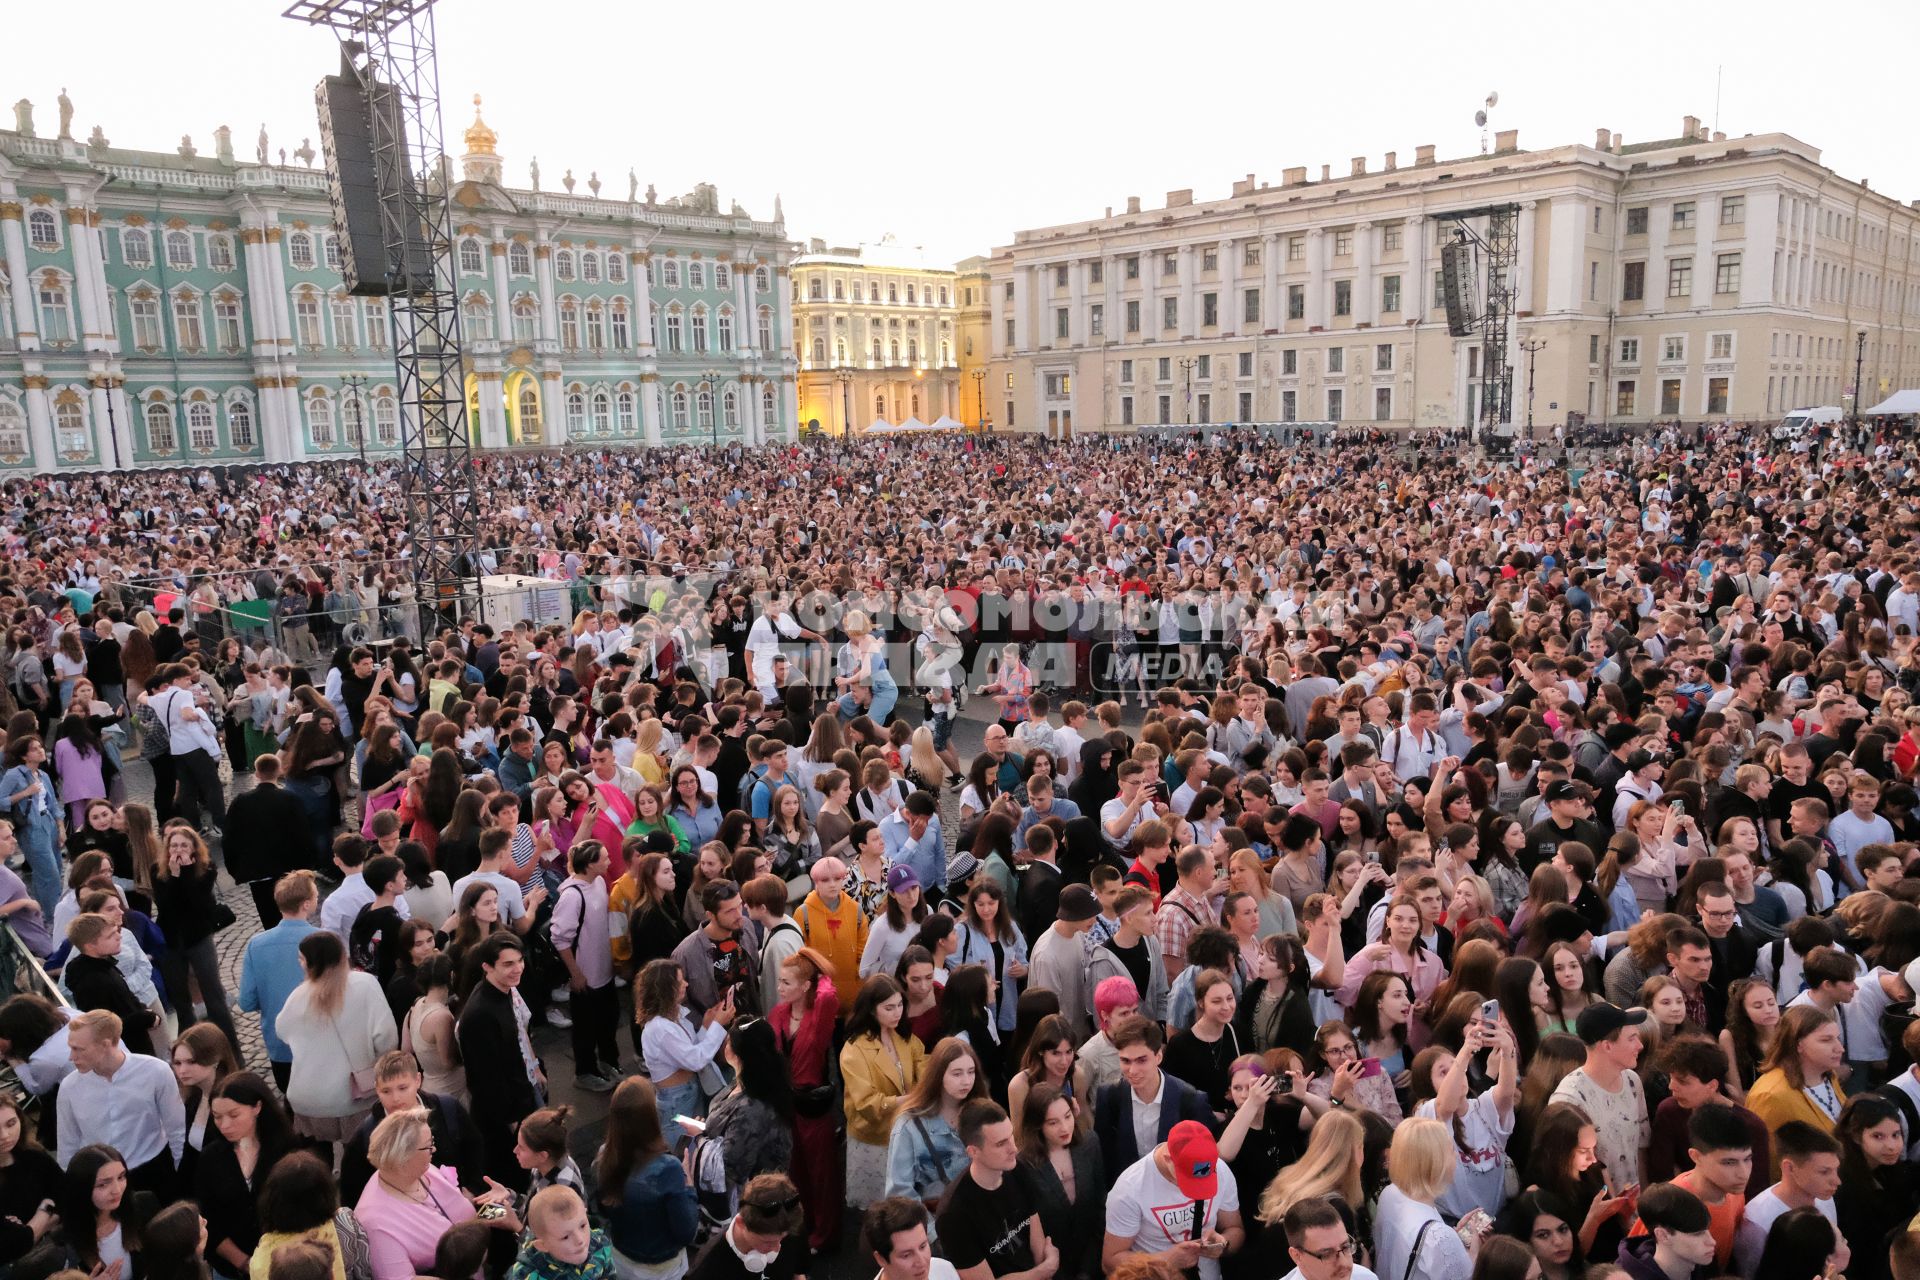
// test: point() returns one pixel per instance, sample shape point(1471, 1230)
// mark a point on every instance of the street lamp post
point(844, 376)
point(708, 378)
point(1533, 347)
point(1186, 368)
point(980, 398)
point(1859, 361)
point(355, 381)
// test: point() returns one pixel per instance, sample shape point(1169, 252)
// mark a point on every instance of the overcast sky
point(951, 126)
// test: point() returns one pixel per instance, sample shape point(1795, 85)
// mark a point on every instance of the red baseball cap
point(1195, 1157)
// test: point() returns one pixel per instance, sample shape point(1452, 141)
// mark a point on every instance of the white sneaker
point(557, 1017)
point(594, 1083)
point(560, 995)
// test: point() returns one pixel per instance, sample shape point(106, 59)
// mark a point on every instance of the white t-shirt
point(1750, 1237)
point(763, 644)
point(512, 904)
point(1156, 1215)
point(1480, 1178)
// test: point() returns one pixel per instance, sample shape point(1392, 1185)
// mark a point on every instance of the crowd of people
point(1378, 861)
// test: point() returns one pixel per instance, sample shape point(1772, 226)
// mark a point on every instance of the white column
point(789, 411)
point(1077, 326)
point(744, 329)
point(1022, 305)
point(1228, 285)
point(89, 281)
point(492, 427)
point(259, 285)
point(1271, 312)
point(758, 431)
point(1189, 323)
point(26, 324)
point(553, 409)
point(650, 408)
point(1417, 297)
point(1656, 277)
point(502, 294)
point(1366, 301)
point(543, 277)
point(1317, 307)
point(123, 413)
point(640, 262)
point(1523, 299)
point(102, 433)
point(783, 313)
point(46, 454)
point(1111, 318)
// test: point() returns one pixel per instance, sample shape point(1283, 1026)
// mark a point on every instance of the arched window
point(819, 351)
point(386, 419)
point(300, 251)
point(946, 353)
point(766, 328)
point(622, 332)
point(319, 421)
point(760, 279)
point(375, 315)
point(602, 414)
point(699, 328)
point(840, 351)
point(730, 408)
point(526, 319)
point(880, 406)
point(916, 404)
point(145, 310)
point(70, 423)
point(179, 251)
point(240, 423)
point(766, 407)
point(187, 330)
point(563, 264)
point(703, 408)
point(722, 276)
point(670, 273)
point(816, 290)
point(596, 325)
point(624, 406)
point(589, 266)
point(519, 261)
point(909, 293)
point(160, 437)
point(220, 253)
point(477, 316)
point(13, 429)
point(696, 275)
point(673, 328)
point(576, 415)
point(726, 329)
point(306, 318)
point(136, 247)
point(201, 433)
point(876, 351)
point(43, 229)
point(893, 350)
point(913, 351)
point(56, 313)
point(569, 324)
point(680, 407)
point(529, 412)
point(472, 261)
point(331, 247)
point(346, 321)
point(617, 268)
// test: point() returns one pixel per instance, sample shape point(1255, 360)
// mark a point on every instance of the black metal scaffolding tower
point(388, 47)
point(1499, 244)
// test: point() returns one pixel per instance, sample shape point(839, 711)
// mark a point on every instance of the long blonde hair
point(925, 760)
point(143, 844)
point(1331, 1164)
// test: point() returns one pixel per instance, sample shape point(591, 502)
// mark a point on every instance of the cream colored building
point(873, 330)
point(973, 283)
point(1695, 277)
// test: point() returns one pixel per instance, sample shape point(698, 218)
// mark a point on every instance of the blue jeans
point(677, 1100)
point(37, 841)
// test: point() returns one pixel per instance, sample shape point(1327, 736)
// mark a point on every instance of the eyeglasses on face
point(1342, 1250)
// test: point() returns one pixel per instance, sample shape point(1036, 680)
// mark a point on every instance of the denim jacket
point(658, 1213)
point(916, 1169)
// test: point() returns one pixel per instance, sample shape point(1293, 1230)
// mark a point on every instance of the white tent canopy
point(944, 423)
point(913, 424)
point(880, 427)
point(1899, 403)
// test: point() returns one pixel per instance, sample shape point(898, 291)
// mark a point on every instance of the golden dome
point(480, 139)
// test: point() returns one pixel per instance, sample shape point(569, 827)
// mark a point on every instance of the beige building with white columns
point(1697, 277)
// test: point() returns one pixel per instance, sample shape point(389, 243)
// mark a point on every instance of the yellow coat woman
point(879, 1063)
point(1799, 1080)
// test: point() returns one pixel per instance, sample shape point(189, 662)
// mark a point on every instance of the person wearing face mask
point(763, 1238)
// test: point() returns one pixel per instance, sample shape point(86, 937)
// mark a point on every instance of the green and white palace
point(179, 308)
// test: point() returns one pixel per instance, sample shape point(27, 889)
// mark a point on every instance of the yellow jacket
point(1775, 1100)
point(873, 1086)
point(621, 896)
point(838, 934)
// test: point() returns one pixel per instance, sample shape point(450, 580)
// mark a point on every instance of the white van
point(1801, 420)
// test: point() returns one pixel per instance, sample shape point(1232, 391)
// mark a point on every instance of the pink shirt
point(402, 1235)
point(1425, 976)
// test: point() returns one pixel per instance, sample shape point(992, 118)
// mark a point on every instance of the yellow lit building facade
point(874, 336)
point(973, 280)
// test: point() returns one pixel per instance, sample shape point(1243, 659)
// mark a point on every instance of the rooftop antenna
point(1718, 73)
point(1481, 117)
